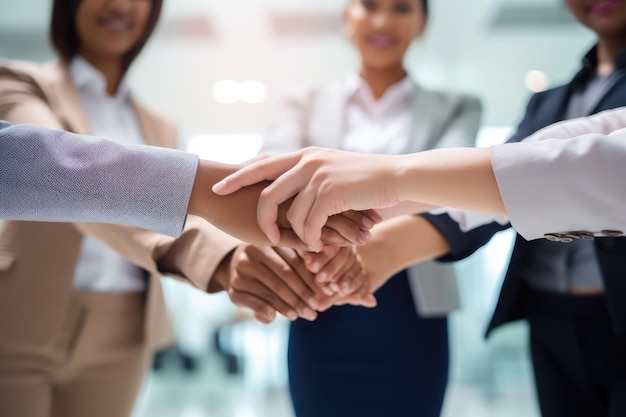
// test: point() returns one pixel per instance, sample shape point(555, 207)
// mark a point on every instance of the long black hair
point(64, 36)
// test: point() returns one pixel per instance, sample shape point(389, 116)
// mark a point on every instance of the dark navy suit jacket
point(544, 109)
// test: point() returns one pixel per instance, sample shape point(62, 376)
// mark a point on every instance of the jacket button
point(612, 233)
point(552, 237)
point(587, 235)
point(572, 235)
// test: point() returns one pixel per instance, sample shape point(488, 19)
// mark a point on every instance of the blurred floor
point(212, 392)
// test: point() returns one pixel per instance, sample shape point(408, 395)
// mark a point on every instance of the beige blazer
point(314, 116)
point(37, 260)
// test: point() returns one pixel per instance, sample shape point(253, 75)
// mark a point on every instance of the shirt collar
point(89, 79)
point(355, 85)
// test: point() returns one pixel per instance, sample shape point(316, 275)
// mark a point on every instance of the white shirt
point(378, 126)
point(99, 267)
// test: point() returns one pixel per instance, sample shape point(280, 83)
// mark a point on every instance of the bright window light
point(536, 81)
point(253, 91)
point(227, 91)
point(226, 148)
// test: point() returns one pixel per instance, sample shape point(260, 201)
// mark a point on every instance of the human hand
point(342, 270)
point(269, 280)
point(343, 229)
point(323, 181)
point(236, 214)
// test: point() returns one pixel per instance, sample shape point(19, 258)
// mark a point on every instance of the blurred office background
point(218, 67)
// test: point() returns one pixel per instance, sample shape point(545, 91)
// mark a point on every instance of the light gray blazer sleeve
point(51, 175)
point(558, 186)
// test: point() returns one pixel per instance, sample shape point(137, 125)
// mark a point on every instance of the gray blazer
point(51, 175)
point(315, 116)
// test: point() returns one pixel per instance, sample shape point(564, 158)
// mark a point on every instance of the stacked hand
point(276, 279)
point(322, 182)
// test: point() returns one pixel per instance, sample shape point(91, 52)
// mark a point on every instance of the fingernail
point(367, 222)
point(327, 291)
point(292, 315)
point(270, 314)
point(334, 287)
point(322, 276)
point(316, 267)
point(312, 302)
point(345, 287)
point(377, 217)
point(274, 237)
point(308, 314)
point(364, 236)
point(219, 187)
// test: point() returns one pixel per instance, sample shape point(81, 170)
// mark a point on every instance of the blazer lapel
point(553, 107)
point(425, 120)
point(149, 130)
point(615, 97)
point(67, 106)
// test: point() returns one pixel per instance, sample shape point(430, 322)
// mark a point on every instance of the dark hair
point(425, 4)
point(64, 36)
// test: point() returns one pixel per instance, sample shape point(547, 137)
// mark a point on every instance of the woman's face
point(607, 18)
point(111, 27)
point(382, 30)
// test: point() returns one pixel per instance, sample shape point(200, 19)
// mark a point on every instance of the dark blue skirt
point(381, 362)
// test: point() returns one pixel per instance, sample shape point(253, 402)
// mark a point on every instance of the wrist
point(221, 277)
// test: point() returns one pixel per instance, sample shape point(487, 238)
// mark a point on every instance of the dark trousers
point(579, 364)
point(359, 362)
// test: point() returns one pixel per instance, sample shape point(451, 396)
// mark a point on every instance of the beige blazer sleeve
point(193, 256)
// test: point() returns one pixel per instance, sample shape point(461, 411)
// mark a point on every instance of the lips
point(603, 6)
point(115, 24)
point(380, 41)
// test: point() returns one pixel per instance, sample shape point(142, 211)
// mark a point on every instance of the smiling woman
point(82, 310)
point(391, 360)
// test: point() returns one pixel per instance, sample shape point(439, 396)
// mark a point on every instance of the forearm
point(236, 213)
point(461, 178)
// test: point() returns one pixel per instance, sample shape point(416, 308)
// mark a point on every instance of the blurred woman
point(78, 322)
point(391, 360)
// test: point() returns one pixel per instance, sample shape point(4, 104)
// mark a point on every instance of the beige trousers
point(93, 368)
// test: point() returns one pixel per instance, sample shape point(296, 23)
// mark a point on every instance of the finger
point(267, 169)
point(348, 230)
point(289, 239)
point(374, 215)
point(338, 263)
point(263, 311)
point(315, 261)
point(272, 196)
point(315, 294)
point(259, 157)
point(252, 293)
point(265, 319)
point(351, 279)
point(265, 285)
point(316, 215)
point(298, 215)
point(362, 296)
point(290, 273)
point(365, 219)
